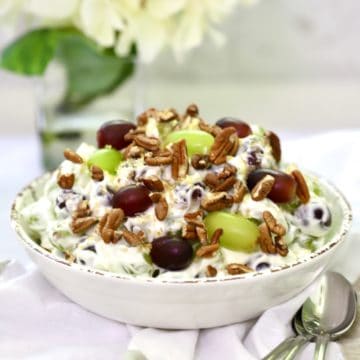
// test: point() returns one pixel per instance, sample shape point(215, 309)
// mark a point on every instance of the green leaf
point(31, 53)
point(91, 70)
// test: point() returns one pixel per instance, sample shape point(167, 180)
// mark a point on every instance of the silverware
point(290, 347)
point(330, 311)
point(326, 315)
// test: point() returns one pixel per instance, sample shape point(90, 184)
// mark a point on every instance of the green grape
point(239, 233)
point(197, 141)
point(107, 159)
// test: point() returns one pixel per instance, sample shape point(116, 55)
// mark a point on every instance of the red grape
point(171, 252)
point(284, 188)
point(113, 132)
point(133, 199)
point(242, 128)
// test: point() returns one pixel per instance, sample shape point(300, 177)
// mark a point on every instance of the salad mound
point(177, 197)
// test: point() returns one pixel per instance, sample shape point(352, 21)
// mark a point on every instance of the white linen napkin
point(37, 322)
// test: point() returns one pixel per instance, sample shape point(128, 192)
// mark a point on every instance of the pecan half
point(239, 192)
point(133, 151)
point(216, 236)
point(192, 110)
point(161, 208)
point(275, 145)
point(225, 142)
point(200, 162)
point(167, 115)
point(66, 181)
point(201, 234)
point(211, 129)
point(195, 227)
point(155, 197)
point(265, 240)
point(262, 188)
point(132, 238)
point(160, 158)
point(97, 173)
point(302, 190)
point(148, 143)
point(179, 165)
point(207, 250)
point(142, 119)
point(272, 224)
point(281, 246)
point(211, 271)
point(82, 210)
point(80, 225)
point(236, 269)
point(216, 201)
point(109, 223)
point(195, 218)
point(226, 184)
point(132, 133)
point(73, 156)
point(223, 181)
point(153, 183)
point(189, 232)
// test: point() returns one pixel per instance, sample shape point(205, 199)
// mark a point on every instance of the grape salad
point(176, 197)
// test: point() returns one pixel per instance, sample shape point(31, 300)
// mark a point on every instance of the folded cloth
point(38, 322)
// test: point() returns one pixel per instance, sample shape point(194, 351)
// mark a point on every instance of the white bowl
point(175, 304)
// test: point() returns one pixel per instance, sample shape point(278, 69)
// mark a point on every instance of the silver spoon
point(330, 311)
point(290, 347)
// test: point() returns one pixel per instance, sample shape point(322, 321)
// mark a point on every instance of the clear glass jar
point(59, 128)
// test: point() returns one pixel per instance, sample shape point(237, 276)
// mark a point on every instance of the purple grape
point(242, 128)
point(171, 253)
point(113, 133)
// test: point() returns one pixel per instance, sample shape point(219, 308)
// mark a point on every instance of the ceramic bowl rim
point(337, 238)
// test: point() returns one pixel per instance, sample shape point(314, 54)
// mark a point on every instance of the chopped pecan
point(265, 240)
point(224, 144)
point(73, 156)
point(227, 171)
point(275, 145)
point(226, 184)
point(160, 158)
point(80, 225)
point(216, 236)
point(201, 234)
point(155, 197)
point(216, 201)
point(302, 190)
point(200, 162)
point(211, 180)
point(153, 183)
point(236, 269)
point(223, 181)
point(179, 165)
point(239, 192)
point(214, 130)
point(66, 181)
point(161, 208)
point(272, 224)
point(132, 133)
point(192, 110)
point(189, 232)
point(281, 246)
point(142, 119)
point(167, 115)
point(132, 238)
point(207, 250)
point(211, 271)
point(133, 151)
point(97, 173)
point(82, 210)
point(195, 218)
point(148, 143)
point(109, 223)
point(262, 188)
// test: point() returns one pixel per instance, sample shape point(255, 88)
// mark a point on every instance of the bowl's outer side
point(181, 305)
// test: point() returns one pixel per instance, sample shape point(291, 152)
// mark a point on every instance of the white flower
point(52, 12)
point(99, 20)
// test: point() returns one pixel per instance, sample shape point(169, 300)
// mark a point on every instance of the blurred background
point(289, 65)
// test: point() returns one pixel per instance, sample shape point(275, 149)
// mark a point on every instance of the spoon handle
point(321, 345)
point(291, 344)
point(295, 347)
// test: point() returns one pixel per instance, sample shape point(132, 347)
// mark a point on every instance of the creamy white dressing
point(49, 217)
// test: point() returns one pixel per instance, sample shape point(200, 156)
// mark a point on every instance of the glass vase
point(59, 128)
